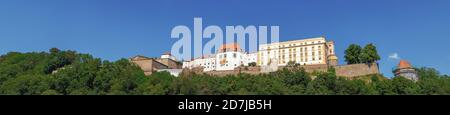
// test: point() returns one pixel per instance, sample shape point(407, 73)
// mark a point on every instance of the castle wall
point(169, 63)
point(149, 65)
point(352, 70)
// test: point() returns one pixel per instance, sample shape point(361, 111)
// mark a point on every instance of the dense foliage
point(69, 73)
point(354, 54)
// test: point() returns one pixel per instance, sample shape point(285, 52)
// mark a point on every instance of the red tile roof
point(229, 47)
point(404, 64)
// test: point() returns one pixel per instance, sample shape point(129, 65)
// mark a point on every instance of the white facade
point(168, 56)
point(251, 57)
point(208, 63)
point(228, 57)
point(304, 52)
point(230, 60)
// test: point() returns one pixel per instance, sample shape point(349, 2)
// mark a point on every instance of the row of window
point(295, 49)
point(294, 58)
point(207, 67)
point(294, 44)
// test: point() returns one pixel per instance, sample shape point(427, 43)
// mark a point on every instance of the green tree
point(296, 77)
point(25, 85)
point(352, 54)
point(369, 54)
point(403, 86)
point(54, 50)
point(385, 87)
point(431, 82)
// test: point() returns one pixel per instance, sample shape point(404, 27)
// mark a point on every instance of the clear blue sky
point(417, 30)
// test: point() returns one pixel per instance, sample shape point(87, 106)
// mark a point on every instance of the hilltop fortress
point(312, 51)
point(313, 54)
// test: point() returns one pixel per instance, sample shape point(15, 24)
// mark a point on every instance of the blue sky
point(416, 30)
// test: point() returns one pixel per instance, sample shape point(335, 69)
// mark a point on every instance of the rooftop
point(167, 53)
point(404, 65)
point(230, 47)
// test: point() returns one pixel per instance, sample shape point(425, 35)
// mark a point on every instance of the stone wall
point(149, 65)
point(351, 70)
point(145, 65)
point(318, 68)
point(354, 70)
point(170, 63)
point(248, 70)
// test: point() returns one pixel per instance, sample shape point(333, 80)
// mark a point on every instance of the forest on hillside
point(59, 72)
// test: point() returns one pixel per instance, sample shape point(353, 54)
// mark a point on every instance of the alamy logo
point(183, 50)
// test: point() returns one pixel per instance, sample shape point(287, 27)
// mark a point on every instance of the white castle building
point(312, 51)
point(228, 57)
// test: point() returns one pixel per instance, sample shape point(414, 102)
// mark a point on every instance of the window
point(306, 56)
point(313, 56)
point(301, 56)
point(234, 55)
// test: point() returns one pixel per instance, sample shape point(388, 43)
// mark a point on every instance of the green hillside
point(70, 73)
